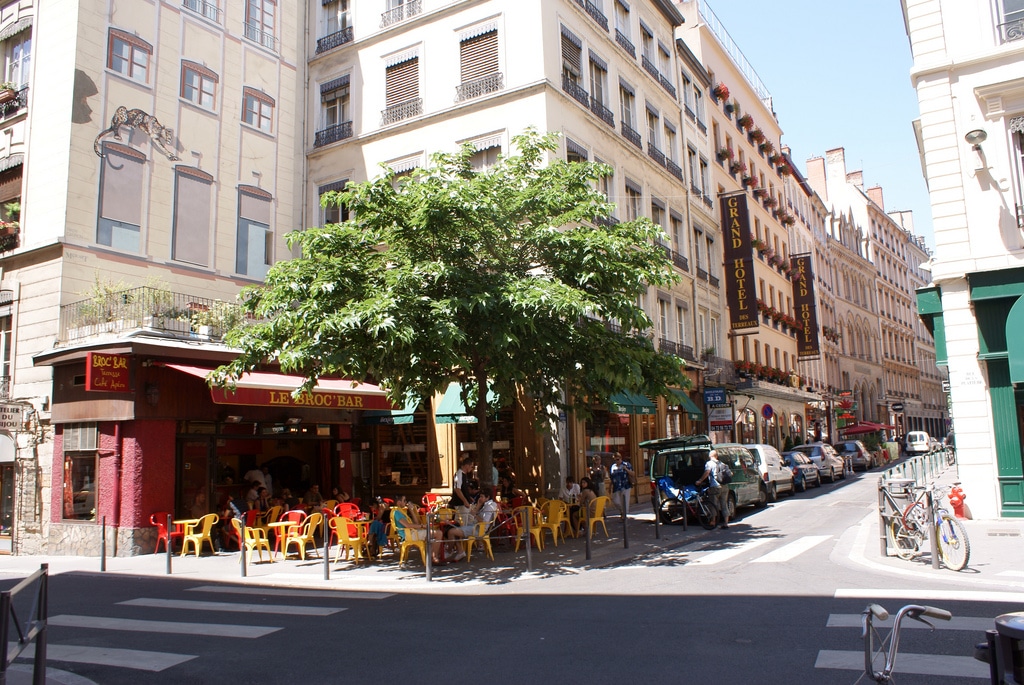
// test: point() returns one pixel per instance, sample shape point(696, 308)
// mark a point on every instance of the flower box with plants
point(784, 169)
point(749, 181)
point(757, 135)
point(745, 122)
point(743, 367)
point(770, 201)
point(724, 153)
point(760, 193)
point(757, 243)
point(8, 92)
point(736, 167)
point(721, 92)
point(766, 148)
point(730, 107)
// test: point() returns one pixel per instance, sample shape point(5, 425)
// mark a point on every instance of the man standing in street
point(717, 495)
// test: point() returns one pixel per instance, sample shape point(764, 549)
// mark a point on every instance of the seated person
point(339, 495)
point(199, 508)
point(587, 497)
point(570, 492)
point(223, 532)
point(377, 538)
point(408, 522)
point(290, 500)
point(313, 497)
point(262, 501)
point(252, 496)
point(485, 510)
point(509, 491)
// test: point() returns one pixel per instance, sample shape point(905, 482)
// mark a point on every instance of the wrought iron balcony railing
point(576, 91)
point(674, 169)
point(15, 105)
point(480, 86)
point(624, 43)
point(649, 67)
point(686, 352)
point(1012, 30)
point(258, 35)
point(689, 112)
point(595, 12)
point(713, 280)
point(654, 153)
point(667, 85)
point(333, 40)
point(207, 9)
point(410, 9)
point(702, 274)
point(333, 134)
point(602, 112)
point(680, 260)
point(666, 346)
point(631, 135)
point(400, 111)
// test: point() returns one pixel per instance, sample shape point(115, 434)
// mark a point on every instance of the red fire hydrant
point(956, 500)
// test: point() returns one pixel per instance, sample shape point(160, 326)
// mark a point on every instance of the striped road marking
point(793, 549)
point(166, 627)
point(230, 606)
point(971, 623)
point(107, 656)
point(911, 664)
point(725, 554)
point(923, 594)
point(1014, 574)
point(284, 592)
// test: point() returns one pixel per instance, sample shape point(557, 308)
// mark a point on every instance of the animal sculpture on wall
point(161, 136)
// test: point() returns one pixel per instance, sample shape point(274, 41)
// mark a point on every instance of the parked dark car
point(856, 452)
point(805, 473)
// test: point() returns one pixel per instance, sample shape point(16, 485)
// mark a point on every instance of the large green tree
point(512, 279)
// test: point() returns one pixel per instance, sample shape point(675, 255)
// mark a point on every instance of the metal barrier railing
point(921, 469)
point(34, 627)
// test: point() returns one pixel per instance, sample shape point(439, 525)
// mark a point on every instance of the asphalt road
point(774, 599)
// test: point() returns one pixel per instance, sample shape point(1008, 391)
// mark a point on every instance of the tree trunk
point(485, 462)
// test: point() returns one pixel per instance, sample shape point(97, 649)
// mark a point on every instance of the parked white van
point(917, 442)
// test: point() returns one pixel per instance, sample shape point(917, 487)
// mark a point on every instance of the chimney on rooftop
point(876, 196)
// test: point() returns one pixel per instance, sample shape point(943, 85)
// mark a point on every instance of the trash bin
point(1004, 649)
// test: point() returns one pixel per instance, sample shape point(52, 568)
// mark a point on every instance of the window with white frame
point(486, 155)
point(622, 20)
point(207, 8)
point(574, 152)
point(663, 318)
point(605, 183)
point(627, 102)
point(128, 55)
point(257, 109)
point(702, 334)
point(664, 59)
point(647, 43)
point(705, 177)
point(333, 213)
point(120, 210)
point(193, 211)
point(680, 324)
point(598, 80)
point(259, 21)
point(658, 217)
point(688, 95)
point(710, 252)
point(18, 56)
point(572, 58)
point(698, 248)
point(670, 144)
point(335, 16)
point(1011, 19)
point(678, 234)
point(634, 199)
point(653, 124)
point(254, 246)
point(478, 60)
point(335, 109)
point(691, 164)
point(698, 104)
point(198, 84)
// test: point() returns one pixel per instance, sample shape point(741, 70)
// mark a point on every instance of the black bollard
point(103, 544)
point(587, 509)
point(168, 545)
point(528, 515)
point(427, 557)
point(625, 528)
point(241, 547)
point(327, 549)
point(657, 513)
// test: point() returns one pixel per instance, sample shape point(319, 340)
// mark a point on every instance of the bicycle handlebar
point(933, 612)
point(877, 611)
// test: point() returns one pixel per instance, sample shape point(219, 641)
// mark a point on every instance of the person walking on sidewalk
point(623, 479)
point(718, 495)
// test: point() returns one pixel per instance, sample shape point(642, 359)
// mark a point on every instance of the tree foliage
point(511, 279)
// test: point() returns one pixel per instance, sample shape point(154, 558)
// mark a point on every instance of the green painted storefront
point(997, 298)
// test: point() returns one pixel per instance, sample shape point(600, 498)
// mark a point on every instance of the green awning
point(452, 410)
point(680, 398)
point(390, 417)
point(629, 403)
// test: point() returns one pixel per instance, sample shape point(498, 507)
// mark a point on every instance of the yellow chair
point(255, 538)
point(329, 504)
point(531, 514)
point(445, 514)
point(406, 539)
point(479, 534)
point(394, 539)
point(198, 533)
point(304, 535)
point(555, 515)
point(597, 508)
point(351, 537)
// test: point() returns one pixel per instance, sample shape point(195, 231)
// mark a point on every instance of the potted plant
point(757, 135)
point(745, 122)
point(216, 319)
point(730, 107)
point(737, 167)
point(721, 92)
point(8, 91)
point(724, 153)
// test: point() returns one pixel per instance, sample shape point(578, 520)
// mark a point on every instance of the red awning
point(864, 427)
point(262, 389)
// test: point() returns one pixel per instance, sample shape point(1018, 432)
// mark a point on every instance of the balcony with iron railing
point(333, 40)
point(649, 67)
point(624, 43)
point(666, 346)
point(713, 280)
point(702, 274)
point(575, 90)
point(674, 169)
point(595, 12)
point(680, 260)
point(333, 134)
point(13, 102)
point(490, 83)
point(686, 352)
point(667, 85)
point(5, 387)
point(1012, 30)
point(409, 9)
point(631, 135)
point(602, 112)
point(257, 35)
point(206, 9)
point(654, 153)
point(147, 310)
point(401, 111)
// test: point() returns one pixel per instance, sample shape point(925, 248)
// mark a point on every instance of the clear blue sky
point(838, 73)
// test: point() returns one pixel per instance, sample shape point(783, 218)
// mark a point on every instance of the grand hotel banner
point(807, 344)
point(740, 285)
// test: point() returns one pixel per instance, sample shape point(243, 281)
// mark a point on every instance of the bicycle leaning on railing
point(888, 646)
point(907, 527)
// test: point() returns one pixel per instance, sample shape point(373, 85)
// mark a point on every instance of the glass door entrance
point(6, 506)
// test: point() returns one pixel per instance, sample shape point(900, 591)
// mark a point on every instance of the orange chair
point(348, 510)
point(159, 519)
point(295, 518)
point(433, 501)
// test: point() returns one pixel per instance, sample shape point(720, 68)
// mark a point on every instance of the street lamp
point(975, 138)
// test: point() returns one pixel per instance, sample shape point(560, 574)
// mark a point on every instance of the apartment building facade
point(966, 70)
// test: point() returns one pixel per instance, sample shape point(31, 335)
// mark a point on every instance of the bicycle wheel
point(954, 547)
point(900, 540)
point(707, 516)
point(914, 518)
point(672, 510)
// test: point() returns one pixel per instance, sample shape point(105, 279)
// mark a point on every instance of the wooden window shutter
point(402, 82)
point(479, 56)
point(572, 51)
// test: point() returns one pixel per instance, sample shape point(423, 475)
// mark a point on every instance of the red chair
point(433, 500)
point(294, 519)
point(349, 511)
point(159, 519)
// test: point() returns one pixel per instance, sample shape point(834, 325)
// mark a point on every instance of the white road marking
point(284, 592)
point(725, 554)
point(793, 549)
point(911, 664)
point(921, 594)
point(971, 623)
point(108, 656)
point(173, 627)
point(290, 610)
point(1015, 574)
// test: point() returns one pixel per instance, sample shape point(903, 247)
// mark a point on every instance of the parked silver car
point(822, 455)
point(857, 453)
point(776, 476)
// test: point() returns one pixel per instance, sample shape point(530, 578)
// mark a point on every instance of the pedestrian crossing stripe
point(925, 594)
point(908, 664)
point(287, 592)
point(721, 555)
point(289, 610)
point(163, 627)
point(137, 659)
point(793, 549)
